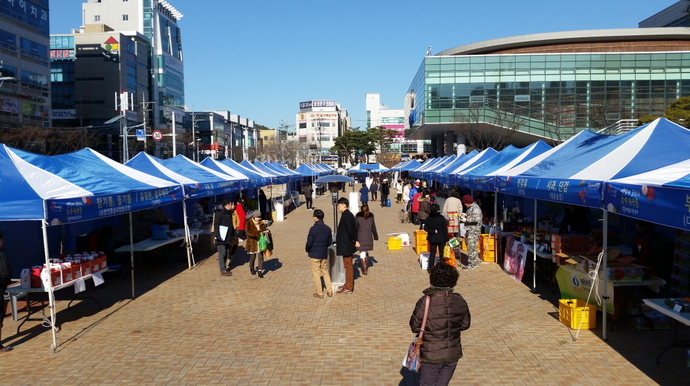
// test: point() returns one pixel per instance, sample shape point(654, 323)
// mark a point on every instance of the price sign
point(157, 135)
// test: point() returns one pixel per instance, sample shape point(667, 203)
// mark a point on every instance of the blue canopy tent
point(196, 182)
point(481, 176)
point(430, 172)
point(307, 170)
point(409, 165)
point(291, 175)
point(278, 178)
point(274, 177)
point(327, 168)
point(55, 191)
point(480, 158)
point(461, 162)
point(426, 165)
point(257, 179)
point(576, 171)
point(368, 168)
point(245, 180)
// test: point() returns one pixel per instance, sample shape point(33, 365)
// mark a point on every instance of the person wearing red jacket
point(415, 207)
point(241, 218)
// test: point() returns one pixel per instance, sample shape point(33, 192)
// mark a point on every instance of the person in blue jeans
point(364, 194)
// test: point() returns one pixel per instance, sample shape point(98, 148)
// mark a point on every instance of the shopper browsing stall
point(473, 227)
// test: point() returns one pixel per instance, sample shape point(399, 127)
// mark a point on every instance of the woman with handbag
point(366, 234)
point(447, 315)
point(255, 229)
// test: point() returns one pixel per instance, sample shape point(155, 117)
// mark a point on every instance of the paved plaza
point(195, 327)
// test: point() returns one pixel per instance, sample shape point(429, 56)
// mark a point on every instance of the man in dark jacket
point(5, 280)
point(318, 241)
point(448, 316)
point(225, 235)
point(347, 244)
point(385, 191)
point(437, 235)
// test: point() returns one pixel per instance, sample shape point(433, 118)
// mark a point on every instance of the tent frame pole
point(534, 254)
point(51, 291)
point(131, 252)
point(605, 296)
point(187, 236)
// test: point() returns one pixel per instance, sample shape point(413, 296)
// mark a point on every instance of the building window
point(97, 18)
point(125, 17)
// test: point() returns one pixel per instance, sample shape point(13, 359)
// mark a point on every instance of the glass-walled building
point(24, 64)
point(548, 86)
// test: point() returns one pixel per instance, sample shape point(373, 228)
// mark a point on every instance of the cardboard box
point(576, 262)
point(424, 260)
point(616, 272)
point(559, 258)
point(25, 278)
point(404, 237)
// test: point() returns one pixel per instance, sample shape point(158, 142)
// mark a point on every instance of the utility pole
point(194, 142)
point(145, 109)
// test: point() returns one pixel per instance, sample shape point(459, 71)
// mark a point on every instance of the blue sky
point(260, 58)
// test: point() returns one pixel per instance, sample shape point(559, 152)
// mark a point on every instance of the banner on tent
point(88, 208)
point(578, 192)
point(660, 205)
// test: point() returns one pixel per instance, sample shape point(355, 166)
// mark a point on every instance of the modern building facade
point(546, 86)
point(158, 21)
point(24, 64)
point(319, 123)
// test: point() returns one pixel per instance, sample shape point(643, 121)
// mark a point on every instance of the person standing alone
point(366, 235)
point(307, 191)
point(437, 235)
point(225, 235)
point(346, 243)
point(473, 227)
point(255, 228)
point(385, 192)
point(448, 316)
point(318, 241)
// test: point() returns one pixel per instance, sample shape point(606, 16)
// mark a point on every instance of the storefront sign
point(64, 114)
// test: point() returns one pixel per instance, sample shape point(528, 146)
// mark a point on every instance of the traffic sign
point(141, 136)
point(157, 135)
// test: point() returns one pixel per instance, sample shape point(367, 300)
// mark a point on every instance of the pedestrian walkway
point(195, 327)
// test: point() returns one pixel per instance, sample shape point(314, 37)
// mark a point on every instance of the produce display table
point(150, 244)
point(32, 291)
point(682, 317)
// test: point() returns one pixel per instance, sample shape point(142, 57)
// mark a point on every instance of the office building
point(89, 69)
point(158, 21)
point(546, 86)
point(24, 64)
point(221, 135)
point(319, 123)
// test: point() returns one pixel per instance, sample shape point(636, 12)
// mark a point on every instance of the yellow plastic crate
point(394, 243)
point(571, 311)
point(488, 256)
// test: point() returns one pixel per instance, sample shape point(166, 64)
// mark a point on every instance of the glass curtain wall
point(540, 92)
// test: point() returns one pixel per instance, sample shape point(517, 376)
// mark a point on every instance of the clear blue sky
point(260, 58)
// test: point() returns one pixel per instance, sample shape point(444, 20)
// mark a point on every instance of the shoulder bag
point(412, 359)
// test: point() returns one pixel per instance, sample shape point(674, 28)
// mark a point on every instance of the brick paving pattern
point(195, 327)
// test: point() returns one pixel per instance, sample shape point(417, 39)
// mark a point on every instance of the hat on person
point(256, 214)
point(467, 199)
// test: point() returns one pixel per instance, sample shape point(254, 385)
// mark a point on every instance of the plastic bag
point(263, 244)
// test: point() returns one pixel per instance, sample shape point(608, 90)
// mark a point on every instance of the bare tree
point(485, 125)
point(49, 140)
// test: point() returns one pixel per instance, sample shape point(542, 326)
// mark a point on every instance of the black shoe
point(261, 273)
point(252, 270)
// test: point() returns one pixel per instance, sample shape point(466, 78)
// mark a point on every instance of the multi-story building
point(158, 21)
point(546, 86)
point(379, 115)
point(220, 135)
point(676, 15)
point(319, 123)
point(24, 64)
point(89, 69)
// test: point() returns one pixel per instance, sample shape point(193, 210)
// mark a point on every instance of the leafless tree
point(487, 125)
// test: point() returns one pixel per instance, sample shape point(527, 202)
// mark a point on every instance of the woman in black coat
point(347, 244)
point(264, 206)
point(366, 234)
point(437, 234)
